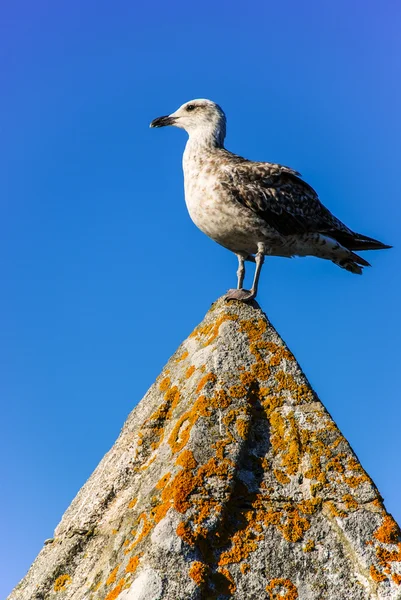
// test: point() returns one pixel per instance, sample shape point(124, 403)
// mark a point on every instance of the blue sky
point(103, 273)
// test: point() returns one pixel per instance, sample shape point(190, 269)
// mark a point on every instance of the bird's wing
point(277, 195)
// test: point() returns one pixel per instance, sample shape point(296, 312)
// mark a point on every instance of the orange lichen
point(204, 380)
point(245, 568)
point(276, 588)
point(285, 441)
point(294, 527)
point(183, 356)
point(388, 532)
point(247, 378)
point(186, 534)
point(237, 391)
point(243, 543)
point(281, 476)
point(186, 459)
point(309, 546)
point(162, 482)
point(335, 511)
point(354, 481)
point(376, 575)
point(164, 384)
point(231, 587)
point(242, 428)
point(261, 370)
point(396, 578)
point(198, 571)
point(113, 576)
point(189, 372)
point(211, 330)
point(61, 583)
point(133, 563)
point(182, 429)
point(114, 593)
point(146, 527)
point(350, 502)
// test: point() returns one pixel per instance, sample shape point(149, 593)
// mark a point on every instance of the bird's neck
point(206, 138)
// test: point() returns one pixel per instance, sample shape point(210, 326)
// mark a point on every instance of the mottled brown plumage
point(256, 208)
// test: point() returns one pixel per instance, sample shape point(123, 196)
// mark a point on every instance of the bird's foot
point(240, 294)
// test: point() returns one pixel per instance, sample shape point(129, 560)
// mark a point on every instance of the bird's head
point(201, 119)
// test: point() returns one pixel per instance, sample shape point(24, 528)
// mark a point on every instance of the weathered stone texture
point(229, 480)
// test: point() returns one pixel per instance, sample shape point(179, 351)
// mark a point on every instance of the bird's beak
point(163, 121)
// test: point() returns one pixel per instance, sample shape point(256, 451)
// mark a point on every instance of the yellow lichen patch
point(260, 370)
point(211, 330)
point(309, 507)
point(388, 532)
point(335, 511)
point(270, 403)
point(231, 587)
point(61, 583)
point(285, 441)
point(247, 378)
point(204, 380)
point(237, 391)
point(281, 476)
point(278, 354)
point(182, 429)
point(242, 428)
point(376, 575)
point(355, 481)
point(114, 593)
point(113, 576)
point(254, 330)
point(133, 563)
point(151, 460)
point(190, 371)
point(335, 464)
point(183, 356)
point(245, 568)
point(198, 571)
point(243, 544)
point(159, 512)
point(162, 482)
point(186, 534)
point(186, 459)
point(295, 525)
point(164, 384)
point(309, 546)
point(286, 382)
point(350, 502)
point(180, 490)
point(146, 527)
point(221, 400)
point(282, 589)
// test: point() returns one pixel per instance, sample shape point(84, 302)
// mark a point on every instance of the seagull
point(256, 209)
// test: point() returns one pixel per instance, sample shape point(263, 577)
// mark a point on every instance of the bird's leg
point(240, 293)
point(259, 259)
point(240, 271)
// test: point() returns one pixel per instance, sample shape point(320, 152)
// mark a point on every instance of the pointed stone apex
point(229, 480)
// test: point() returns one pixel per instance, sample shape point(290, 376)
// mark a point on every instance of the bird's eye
point(191, 107)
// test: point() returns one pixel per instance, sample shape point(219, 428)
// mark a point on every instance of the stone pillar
point(229, 480)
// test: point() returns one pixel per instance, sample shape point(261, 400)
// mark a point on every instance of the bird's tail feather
point(352, 263)
point(357, 241)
